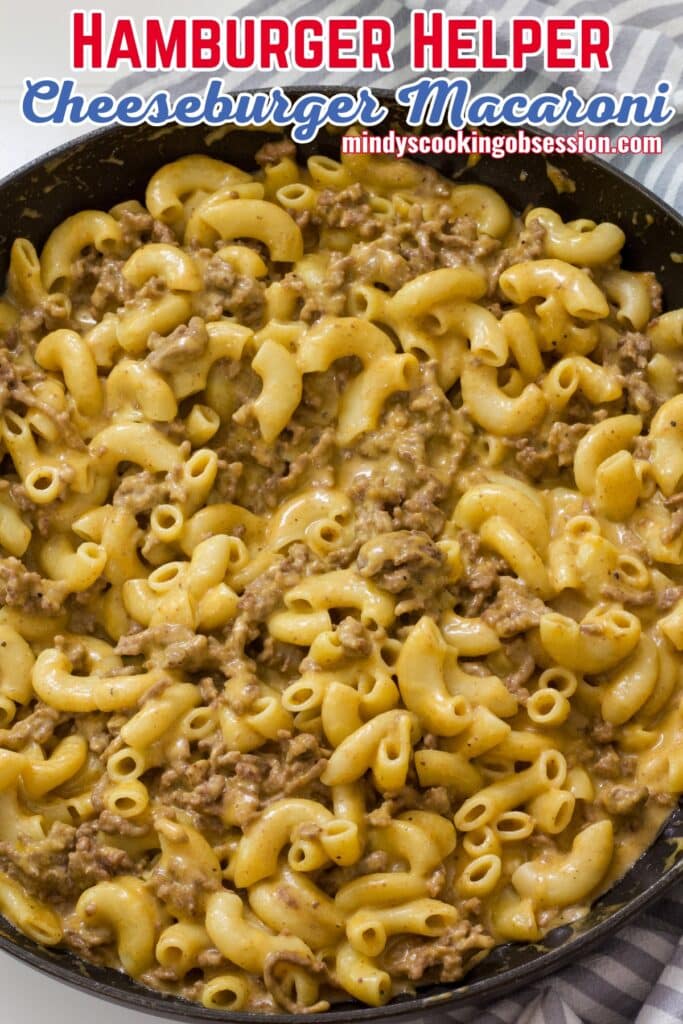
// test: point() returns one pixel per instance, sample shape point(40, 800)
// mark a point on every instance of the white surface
point(34, 43)
point(29, 997)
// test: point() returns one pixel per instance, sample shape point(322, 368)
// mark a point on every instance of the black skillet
point(108, 166)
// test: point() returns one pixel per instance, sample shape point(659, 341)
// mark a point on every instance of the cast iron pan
point(108, 166)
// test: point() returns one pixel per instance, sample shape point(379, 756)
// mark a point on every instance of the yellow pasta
point(341, 541)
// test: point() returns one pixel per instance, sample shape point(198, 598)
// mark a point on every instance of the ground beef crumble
point(185, 344)
point(444, 959)
point(65, 863)
point(273, 152)
point(403, 478)
point(20, 588)
point(515, 609)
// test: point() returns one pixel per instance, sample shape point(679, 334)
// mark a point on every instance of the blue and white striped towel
point(637, 978)
point(648, 48)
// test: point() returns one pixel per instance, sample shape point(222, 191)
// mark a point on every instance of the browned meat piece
point(548, 456)
point(304, 762)
point(136, 223)
point(347, 209)
point(20, 588)
point(375, 264)
point(232, 786)
point(515, 609)
point(99, 284)
point(624, 799)
point(12, 378)
point(178, 349)
point(446, 958)
point(67, 861)
point(114, 825)
point(235, 294)
point(423, 510)
point(355, 639)
point(186, 892)
point(524, 665)
point(668, 597)
point(39, 725)
point(641, 398)
point(263, 595)
point(607, 764)
point(631, 356)
point(618, 591)
point(673, 530)
point(281, 657)
point(400, 559)
point(204, 798)
point(180, 647)
point(140, 492)
point(602, 732)
point(442, 240)
point(633, 351)
point(309, 462)
point(273, 152)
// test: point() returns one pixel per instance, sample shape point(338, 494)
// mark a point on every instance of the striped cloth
point(648, 48)
point(637, 978)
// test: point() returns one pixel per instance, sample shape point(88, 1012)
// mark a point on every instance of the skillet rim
point(115, 987)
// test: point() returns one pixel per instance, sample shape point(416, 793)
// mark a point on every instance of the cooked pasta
point(341, 578)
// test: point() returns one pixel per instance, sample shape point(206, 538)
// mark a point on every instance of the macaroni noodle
point(341, 578)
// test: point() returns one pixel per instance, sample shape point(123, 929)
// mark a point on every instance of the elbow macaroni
point(338, 576)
